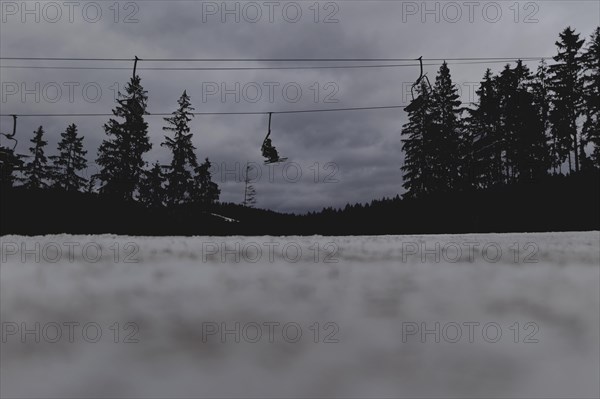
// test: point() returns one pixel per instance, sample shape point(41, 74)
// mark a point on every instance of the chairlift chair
point(7, 154)
point(11, 136)
point(268, 149)
point(416, 101)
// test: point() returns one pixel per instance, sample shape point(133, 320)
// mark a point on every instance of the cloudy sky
point(334, 157)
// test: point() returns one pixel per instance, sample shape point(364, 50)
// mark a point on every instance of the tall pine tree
point(416, 143)
point(506, 84)
point(10, 163)
point(37, 173)
point(591, 90)
point(484, 132)
point(179, 177)
point(121, 155)
point(206, 192)
point(530, 148)
point(567, 96)
point(540, 87)
point(152, 193)
point(69, 161)
point(446, 160)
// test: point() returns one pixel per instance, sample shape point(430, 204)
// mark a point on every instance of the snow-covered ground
point(515, 315)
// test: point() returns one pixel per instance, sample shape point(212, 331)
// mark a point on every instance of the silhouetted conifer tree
point(179, 177)
point(418, 136)
point(531, 147)
point(152, 192)
point(540, 87)
point(446, 145)
point(567, 96)
point(91, 186)
point(9, 164)
point(523, 131)
point(483, 125)
point(506, 85)
point(121, 155)
point(206, 192)
point(69, 161)
point(37, 172)
point(591, 90)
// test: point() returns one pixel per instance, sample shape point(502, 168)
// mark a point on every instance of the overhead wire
point(462, 60)
point(63, 67)
point(264, 59)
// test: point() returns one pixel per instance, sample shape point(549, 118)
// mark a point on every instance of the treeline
point(524, 126)
point(556, 203)
point(123, 173)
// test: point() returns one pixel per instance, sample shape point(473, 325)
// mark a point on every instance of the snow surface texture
point(376, 291)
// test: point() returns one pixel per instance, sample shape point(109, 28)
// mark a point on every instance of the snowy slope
point(374, 291)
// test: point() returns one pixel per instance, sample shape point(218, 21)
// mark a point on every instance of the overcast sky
point(342, 156)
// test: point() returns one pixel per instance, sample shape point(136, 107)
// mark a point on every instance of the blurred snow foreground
point(511, 315)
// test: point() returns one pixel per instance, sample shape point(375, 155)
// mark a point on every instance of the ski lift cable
point(265, 59)
point(291, 111)
point(136, 59)
point(298, 111)
point(66, 67)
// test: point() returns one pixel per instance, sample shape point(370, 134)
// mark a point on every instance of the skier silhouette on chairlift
point(268, 149)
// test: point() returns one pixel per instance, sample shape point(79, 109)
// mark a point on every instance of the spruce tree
point(591, 90)
point(206, 192)
point(541, 98)
point(121, 154)
point(37, 172)
point(484, 131)
point(179, 177)
point(567, 96)
point(91, 185)
point(417, 139)
point(530, 150)
point(152, 193)
point(446, 146)
point(9, 164)
point(506, 84)
point(69, 161)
